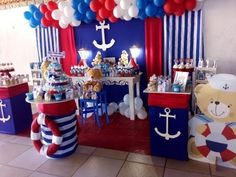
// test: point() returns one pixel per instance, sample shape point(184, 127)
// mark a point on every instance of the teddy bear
point(97, 60)
point(44, 68)
point(213, 132)
point(94, 83)
point(152, 85)
point(123, 60)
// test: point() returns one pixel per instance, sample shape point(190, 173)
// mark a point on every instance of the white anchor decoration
point(3, 118)
point(166, 134)
point(103, 46)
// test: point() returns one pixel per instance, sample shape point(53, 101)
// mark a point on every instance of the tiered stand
point(54, 132)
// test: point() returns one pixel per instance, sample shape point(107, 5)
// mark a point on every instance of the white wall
point(17, 40)
point(219, 20)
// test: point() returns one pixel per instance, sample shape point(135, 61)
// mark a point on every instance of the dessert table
point(130, 81)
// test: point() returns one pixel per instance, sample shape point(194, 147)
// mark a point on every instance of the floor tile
point(85, 149)
point(6, 171)
point(21, 140)
point(131, 169)
point(9, 151)
point(111, 153)
point(30, 160)
point(65, 167)
point(177, 173)
point(99, 167)
point(147, 159)
point(37, 174)
point(190, 165)
point(4, 136)
point(222, 171)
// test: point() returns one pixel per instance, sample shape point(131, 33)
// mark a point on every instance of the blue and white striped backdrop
point(47, 40)
point(183, 38)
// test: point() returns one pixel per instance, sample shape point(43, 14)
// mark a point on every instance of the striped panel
point(47, 40)
point(183, 38)
point(68, 127)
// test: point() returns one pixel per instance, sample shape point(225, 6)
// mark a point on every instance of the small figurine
point(123, 60)
point(176, 63)
point(181, 65)
point(98, 59)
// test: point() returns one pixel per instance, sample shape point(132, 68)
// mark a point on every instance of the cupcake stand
point(54, 130)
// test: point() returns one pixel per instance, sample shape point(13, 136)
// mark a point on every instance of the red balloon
point(100, 19)
point(178, 1)
point(43, 8)
point(45, 22)
point(48, 15)
point(190, 4)
point(103, 1)
point(55, 24)
point(52, 5)
point(169, 7)
point(110, 5)
point(180, 10)
point(113, 19)
point(95, 5)
point(104, 13)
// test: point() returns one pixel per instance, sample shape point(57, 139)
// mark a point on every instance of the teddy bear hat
point(224, 82)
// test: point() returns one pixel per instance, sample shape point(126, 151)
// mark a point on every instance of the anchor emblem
point(3, 119)
point(166, 134)
point(103, 46)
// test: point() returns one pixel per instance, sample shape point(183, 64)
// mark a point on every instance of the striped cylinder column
point(64, 115)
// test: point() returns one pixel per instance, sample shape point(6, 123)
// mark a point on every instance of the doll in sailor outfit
point(213, 133)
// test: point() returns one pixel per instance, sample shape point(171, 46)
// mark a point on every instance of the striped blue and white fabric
point(47, 40)
point(68, 127)
point(183, 38)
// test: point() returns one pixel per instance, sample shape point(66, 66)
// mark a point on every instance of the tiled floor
point(18, 158)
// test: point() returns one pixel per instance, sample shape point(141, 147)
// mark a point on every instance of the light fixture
point(83, 53)
point(135, 51)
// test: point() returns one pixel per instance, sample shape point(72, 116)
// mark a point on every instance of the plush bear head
point(217, 99)
point(94, 73)
point(94, 83)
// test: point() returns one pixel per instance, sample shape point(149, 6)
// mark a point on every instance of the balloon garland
point(73, 12)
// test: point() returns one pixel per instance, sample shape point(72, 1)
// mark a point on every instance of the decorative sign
point(103, 46)
point(166, 134)
point(56, 54)
point(3, 118)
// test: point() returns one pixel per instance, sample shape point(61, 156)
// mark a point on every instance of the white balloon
point(68, 11)
point(75, 22)
point(56, 14)
point(122, 109)
point(118, 12)
point(127, 17)
point(110, 110)
point(117, 1)
point(61, 5)
point(142, 114)
point(125, 4)
point(138, 103)
point(127, 114)
point(126, 99)
point(133, 11)
point(62, 25)
point(198, 6)
point(121, 104)
point(65, 19)
point(114, 106)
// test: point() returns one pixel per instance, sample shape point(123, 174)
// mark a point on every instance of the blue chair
point(93, 105)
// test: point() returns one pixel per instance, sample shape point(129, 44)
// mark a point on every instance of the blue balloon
point(34, 22)
point(87, 21)
point(159, 3)
point(141, 4)
point(33, 26)
point(33, 8)
point(38, 15)
point(79, 16)
point(151, 10)
point(142, 15)
point(87, 1)
point(27, 15)
point(90, 15)
point(160, 12)
point(83, 7)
